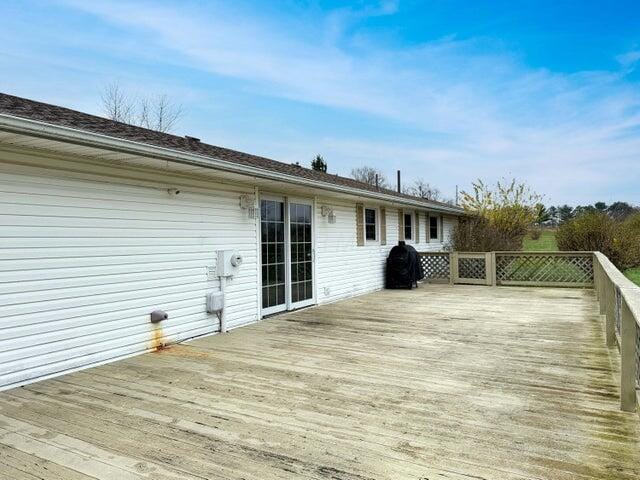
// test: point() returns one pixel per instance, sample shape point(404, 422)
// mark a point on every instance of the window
point(408, 226)
point(433, 228)
point(370, 227)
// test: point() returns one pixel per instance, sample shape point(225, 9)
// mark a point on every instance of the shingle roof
point(65, 117)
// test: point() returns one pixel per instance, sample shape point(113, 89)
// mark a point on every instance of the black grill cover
point(403, 267)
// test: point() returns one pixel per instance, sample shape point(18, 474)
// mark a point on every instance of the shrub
point(478, 234)
point(535, 233)
point(627, 242)
point(589, 232)
point(501, 216)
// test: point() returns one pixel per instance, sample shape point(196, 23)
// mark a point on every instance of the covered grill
point(403, 267)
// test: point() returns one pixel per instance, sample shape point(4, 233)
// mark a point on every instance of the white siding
point(345, 269)
point(427, 245)
point(88, 250)
point(83, 263)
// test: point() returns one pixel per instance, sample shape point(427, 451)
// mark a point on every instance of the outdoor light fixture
point(248, 203)
point(328, 212)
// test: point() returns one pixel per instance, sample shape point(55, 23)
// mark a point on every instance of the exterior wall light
point(328, 212)
point(248, 203)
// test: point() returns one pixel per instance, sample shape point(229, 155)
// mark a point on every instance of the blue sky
point(448, 91)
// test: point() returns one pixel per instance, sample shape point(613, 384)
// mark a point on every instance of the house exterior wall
point(85, 258)
point(88, 250)
point(345, 269)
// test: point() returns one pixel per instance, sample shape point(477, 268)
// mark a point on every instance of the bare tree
point(117, 104)
point(155, 113)
point(368, 175)
point(423, 189)
point(159, 113)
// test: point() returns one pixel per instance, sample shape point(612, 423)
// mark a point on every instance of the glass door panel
point(272, 243)
point(301, 253)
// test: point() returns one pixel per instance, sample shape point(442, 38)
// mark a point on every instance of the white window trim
point(413, 226)
point(377, 225)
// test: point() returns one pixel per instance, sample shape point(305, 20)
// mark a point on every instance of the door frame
point(310, 301)
point(288, 304)
point(283, 306)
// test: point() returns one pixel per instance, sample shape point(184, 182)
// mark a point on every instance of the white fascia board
point(49, 131)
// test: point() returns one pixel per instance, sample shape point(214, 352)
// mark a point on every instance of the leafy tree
point(620, 210)
point(565, 213)
point(319, 164)
point(553, 214)
point(584, 209)
point(600, 206)
point(368, 175)
point(541, 213)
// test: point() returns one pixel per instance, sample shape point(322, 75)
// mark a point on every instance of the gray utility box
point(229, 262)
point(215, 302)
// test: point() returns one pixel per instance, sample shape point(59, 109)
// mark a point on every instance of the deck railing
point(551, 269)
point(618, 297)
point(619, 300)
point(548, 269)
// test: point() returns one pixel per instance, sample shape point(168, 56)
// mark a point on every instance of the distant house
point(104, 223)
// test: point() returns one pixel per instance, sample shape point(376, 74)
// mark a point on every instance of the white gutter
point(13, 124)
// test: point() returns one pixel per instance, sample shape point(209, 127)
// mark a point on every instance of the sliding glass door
point(286, 240)
point(301, 254)
point(272, 243)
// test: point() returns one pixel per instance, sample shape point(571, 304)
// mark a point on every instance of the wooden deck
point(437, 383)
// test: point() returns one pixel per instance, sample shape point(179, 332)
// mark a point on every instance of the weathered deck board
point(440, 382)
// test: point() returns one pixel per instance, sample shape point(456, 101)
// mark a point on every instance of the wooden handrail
point(619, 300)
point(618, 297)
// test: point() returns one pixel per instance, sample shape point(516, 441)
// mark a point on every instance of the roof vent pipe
point(399, 184)
point(191, 139)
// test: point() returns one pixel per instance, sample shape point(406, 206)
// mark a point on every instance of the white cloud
point(629, 59)
point(492, 114)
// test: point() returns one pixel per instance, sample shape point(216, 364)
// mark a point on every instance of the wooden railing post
point(454, 267)
point(595, 276)
point(493, 270)
point(609, 291)
point(627, 359)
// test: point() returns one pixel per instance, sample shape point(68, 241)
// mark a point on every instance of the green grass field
point(546, 242)
point(633, 274)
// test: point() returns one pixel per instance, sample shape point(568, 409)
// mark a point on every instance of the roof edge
point(35, 128)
